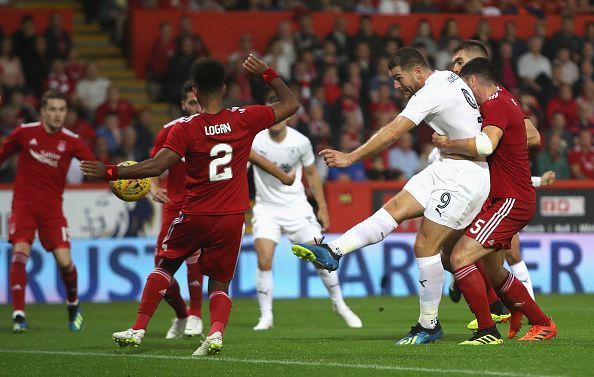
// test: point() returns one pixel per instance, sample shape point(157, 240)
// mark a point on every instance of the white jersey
point(291, 154)
point(447, 104)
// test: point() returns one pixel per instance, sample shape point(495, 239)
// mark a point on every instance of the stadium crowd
point(341, 80)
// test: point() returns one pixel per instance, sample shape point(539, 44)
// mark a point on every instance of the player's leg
point(517, 265)
point(264, 282)
point(18, 284)
point(430, 240)
point(195, 278)
point(372, 230)
point(220, 305)
point(22, 225)
point(69, 277)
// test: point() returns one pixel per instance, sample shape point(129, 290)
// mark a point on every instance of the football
point(130, 190)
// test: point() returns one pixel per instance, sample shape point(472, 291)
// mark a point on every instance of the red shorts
point(167, 217)
point(49, 222)
point(499, 220)
point(219, 237)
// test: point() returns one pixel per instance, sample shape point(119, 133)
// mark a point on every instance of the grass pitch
point(307, 340)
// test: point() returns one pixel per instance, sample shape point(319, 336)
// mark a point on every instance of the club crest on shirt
point(285, 167)
point(61, 146)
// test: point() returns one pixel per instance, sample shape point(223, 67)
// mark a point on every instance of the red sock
point(491, 294)
point(174, 298)
point(155, 288)
point(220, 309)
point(70, 279)
point(515, 295)
point(472, 285)
point(18, 280)
point(195, 279)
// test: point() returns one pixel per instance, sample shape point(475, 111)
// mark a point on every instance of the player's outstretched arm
point(382, 139)
point(287, 104)
point(145, 169)
point(532, 133)
point(313, 178)
point(270, 168)
point(10, 145)
point(482, 145)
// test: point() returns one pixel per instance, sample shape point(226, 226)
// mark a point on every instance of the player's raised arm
point(287, 104)
point(148, 168)
point(270, 168)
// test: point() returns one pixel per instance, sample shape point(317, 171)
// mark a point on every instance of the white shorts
point(451, 191)
point(299, 223)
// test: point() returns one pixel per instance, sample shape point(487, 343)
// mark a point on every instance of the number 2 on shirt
point(215, 164)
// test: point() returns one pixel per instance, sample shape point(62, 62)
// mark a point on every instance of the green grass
point(308, 340)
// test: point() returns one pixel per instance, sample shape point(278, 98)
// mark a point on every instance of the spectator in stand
point(319, 130)
point(366, 7)
point(143, 124)
point(101, 151)
point(393, 7)
point(37, 69)
point(110, 130)
point(57, 80)
point(532, 65)
point(24, 111)
point(566, 37)
point(367, 35)
point(424, 6)
point(448, 32)
point(381, 76)
point(565, 104)
point(443, 59)
point(129, 150)
point(162, 51)
point(57, 38)
point(115, 104)
point(586, 74)
point(340, 38)
point(570, 72)
point(382, 106)
point(559, 127)
point(581, 158)
point(363, 60)
point(510, 36)
point(403, 157)
point(305, 37)
point(75, 68)
point(394, 33)
point(425, 35)
point(505, 66)
point(587, 52)
point(355, 172)
point(11, 70)
point(246, 47)
point(179, 71)
point(589, 34)
point(329, 57)
point(23, 42)
point(554, 158)
point(288, 51)
point(483, 34)
point(331, 85)
point(186, 31)
point(585, 104)
point(278, 61)
point(81, 127)
point(540, 31)
point(92, 89)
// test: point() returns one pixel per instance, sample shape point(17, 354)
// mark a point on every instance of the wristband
point(111, 172)
point(268, 75)
point(536, 181)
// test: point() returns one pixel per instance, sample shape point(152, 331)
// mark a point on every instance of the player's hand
point(288, 178)
point(336, 158)
point(548, 178)
point(93, 169)
point(159, 194)
point(254, 65)
point(324, 218)
point(439, 141)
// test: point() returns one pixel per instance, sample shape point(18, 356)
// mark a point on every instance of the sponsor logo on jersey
point(241, 110)
point(469, 98)
point(217, 129)
point(453, 77)
point(45, 157)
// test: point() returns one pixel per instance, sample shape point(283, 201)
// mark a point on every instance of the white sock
point(264, 290)
point(431, 276)
point(369, 231)
point(521, 273)
point(330, 280)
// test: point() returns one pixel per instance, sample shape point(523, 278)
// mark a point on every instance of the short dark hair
point(52, 94)
point(188, 88)
point(407, 58)
point(480, 67)
point(473, 45)
point(208, 75)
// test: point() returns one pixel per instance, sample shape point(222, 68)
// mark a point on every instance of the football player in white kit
point(281, 209)
point(448, 193)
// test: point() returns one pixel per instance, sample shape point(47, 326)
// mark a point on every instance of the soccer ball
point(130, 190)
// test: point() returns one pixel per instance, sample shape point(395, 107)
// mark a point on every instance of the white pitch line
point(282, 362)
